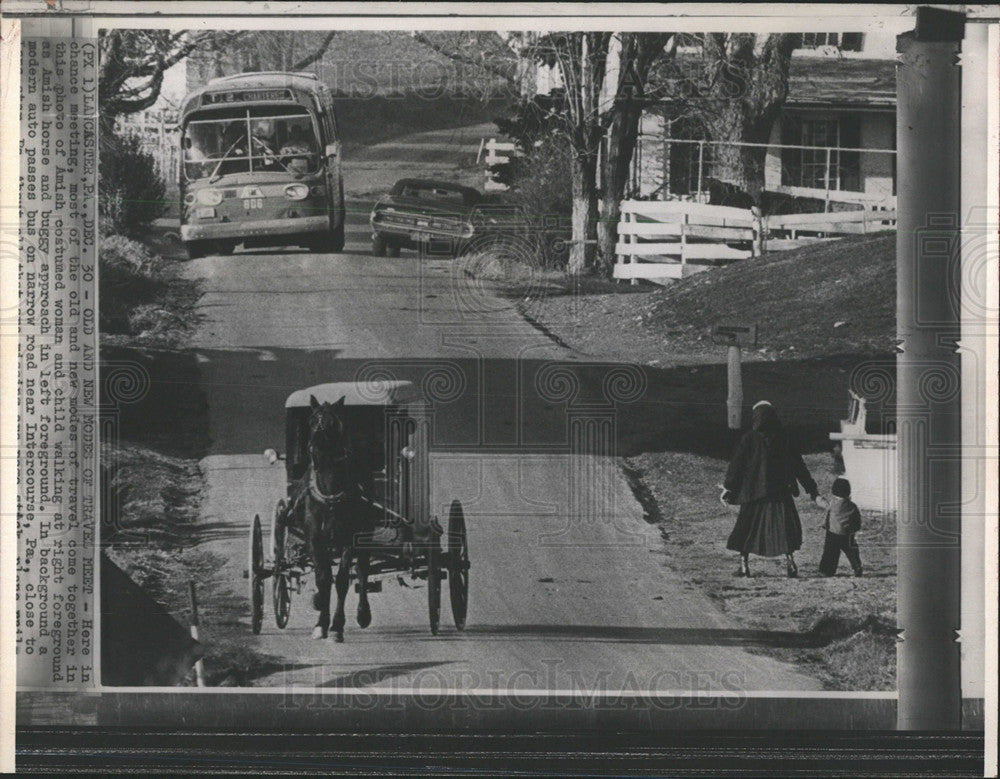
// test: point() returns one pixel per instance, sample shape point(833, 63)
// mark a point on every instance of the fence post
point(826, 181)
point(631, 240)
point(667, 151)
point(684, 230)
point(701, 157)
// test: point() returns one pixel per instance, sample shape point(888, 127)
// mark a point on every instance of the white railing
point(830, 192)
point(832, 223)
point(673, 239)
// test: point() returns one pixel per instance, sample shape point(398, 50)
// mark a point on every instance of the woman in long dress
point(762, 479)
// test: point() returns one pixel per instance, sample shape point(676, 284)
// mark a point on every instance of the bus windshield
point(248, 142)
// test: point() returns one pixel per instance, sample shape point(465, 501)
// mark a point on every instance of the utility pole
point(928, 125)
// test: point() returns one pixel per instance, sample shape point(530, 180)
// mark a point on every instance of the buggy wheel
point(458, 564)
point(434, 585)
point(256, 575)
point(281, 599)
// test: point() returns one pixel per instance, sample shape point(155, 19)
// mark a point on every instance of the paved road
point(568, 588)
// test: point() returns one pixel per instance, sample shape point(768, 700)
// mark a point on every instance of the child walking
point(842, 521)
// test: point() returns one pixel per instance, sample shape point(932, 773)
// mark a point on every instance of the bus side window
point(335, 136)
point(329, 118)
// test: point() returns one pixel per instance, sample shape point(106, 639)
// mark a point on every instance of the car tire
point(379, 246)
point(392, 249)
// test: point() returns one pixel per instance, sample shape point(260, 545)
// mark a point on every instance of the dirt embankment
point(828, 299)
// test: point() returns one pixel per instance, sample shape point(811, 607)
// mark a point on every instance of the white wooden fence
point(673, 239)
point(496, 153)
point(790, 231)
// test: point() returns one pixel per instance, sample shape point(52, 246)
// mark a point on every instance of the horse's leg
point(343, 585)
point(323, 572)
point(364, 610)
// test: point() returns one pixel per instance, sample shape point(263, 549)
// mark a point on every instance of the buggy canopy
point(357, 393)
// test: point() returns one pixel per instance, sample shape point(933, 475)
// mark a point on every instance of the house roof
point(849, 83)
point(819, 82)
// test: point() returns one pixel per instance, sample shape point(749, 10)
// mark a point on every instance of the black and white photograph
point(508, 374)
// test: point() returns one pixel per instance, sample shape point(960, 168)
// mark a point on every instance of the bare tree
point(582, 60)
point(133, 62)
point(489, 60)
point(132, 65)
point(638, 53)
point(603, 77)
point(271, 50)
point(734, 90)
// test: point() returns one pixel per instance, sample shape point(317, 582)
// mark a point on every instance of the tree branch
point(464, 59)
point(305, 62)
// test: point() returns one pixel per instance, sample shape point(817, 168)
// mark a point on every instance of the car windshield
point(434, 192)
point(249, 143)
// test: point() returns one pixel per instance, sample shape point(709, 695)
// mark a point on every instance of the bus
point(260, 165)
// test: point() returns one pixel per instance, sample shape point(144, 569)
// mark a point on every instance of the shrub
point(130, 276)
point(539, 175)
point(131, 192)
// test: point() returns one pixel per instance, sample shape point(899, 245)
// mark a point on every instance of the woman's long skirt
point(768, 527)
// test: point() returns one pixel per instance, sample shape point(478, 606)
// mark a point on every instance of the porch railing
point(703, 163)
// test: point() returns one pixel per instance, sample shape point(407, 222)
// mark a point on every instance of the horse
point(333, 518)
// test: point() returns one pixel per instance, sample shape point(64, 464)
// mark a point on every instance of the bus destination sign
point(246, 96)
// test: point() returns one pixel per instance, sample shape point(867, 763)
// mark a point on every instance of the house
point(833, 143)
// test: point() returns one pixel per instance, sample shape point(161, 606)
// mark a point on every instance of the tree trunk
point(615, 168)
point(742, 166)
point(584, 219)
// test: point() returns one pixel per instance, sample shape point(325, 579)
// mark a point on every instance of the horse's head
point(327, 437)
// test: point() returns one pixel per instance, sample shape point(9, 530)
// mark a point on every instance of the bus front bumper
point(256, 229)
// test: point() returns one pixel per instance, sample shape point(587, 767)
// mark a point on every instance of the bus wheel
point(338, 239)
point(196, 249)
point(325, 243)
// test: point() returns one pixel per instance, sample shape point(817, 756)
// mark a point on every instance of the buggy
point(389, 432)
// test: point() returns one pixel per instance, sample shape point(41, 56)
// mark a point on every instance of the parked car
point(444, 218)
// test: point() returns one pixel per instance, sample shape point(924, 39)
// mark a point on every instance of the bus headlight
point(296, 191)
point(209, 197)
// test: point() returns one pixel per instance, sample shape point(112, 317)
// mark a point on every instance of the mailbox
point(735, 335)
